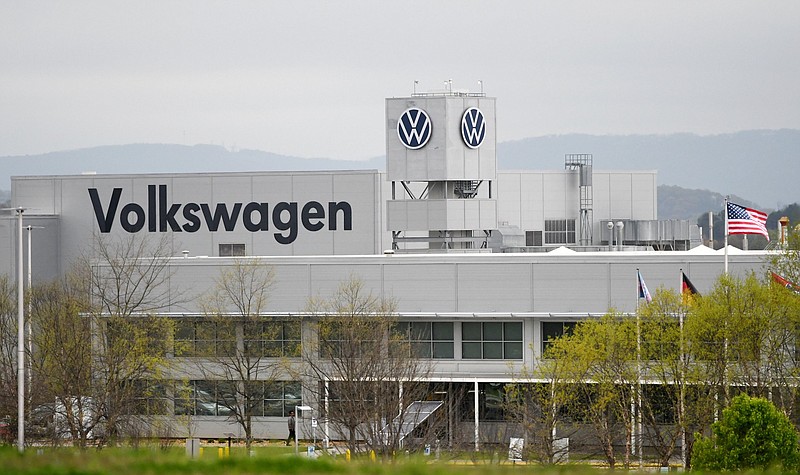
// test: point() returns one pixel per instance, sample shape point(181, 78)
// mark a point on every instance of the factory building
point(494, 263)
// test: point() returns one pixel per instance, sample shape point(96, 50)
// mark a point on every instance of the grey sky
point(309, 78)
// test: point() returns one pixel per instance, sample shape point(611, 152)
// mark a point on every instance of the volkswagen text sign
point(473, 127)
point(414, 128)
point(160, 214)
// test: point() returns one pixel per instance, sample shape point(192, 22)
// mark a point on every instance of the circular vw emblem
point(473, 127)
point(414, 128)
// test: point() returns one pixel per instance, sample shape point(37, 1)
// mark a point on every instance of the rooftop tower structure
point(442, 164)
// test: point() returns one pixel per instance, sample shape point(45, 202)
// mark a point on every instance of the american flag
point(743, 220)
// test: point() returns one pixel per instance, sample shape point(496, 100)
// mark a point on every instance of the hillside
point(758, 166)
point(675, 202)
point(164, 158)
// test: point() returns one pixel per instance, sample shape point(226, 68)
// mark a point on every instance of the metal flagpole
point(682, 416)
point(725, 212)
point(20, 339)
point(638, 414)
point(725, 344)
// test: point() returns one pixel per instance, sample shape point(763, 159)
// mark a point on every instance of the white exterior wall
point(66, 199)
point(62, 205)
point(528, 198)
point(585, 282)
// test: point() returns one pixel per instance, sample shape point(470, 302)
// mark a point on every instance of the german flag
point(785, 283)
point(688, 290)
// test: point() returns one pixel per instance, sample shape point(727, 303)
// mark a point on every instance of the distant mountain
point(761, 165)
point(675, 202)
point(165, 158)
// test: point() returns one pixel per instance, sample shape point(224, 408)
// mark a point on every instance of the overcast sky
point(309, 78)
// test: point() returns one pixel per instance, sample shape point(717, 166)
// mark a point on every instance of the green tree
point(601, 358)
point(752, 433)
point(663, 352)
point(742, 334)
point(786, 263)
point(681, 402)
point(61, 359)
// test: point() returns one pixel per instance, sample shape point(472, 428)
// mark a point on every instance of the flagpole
point(725, 212)
point(638, 374)
point(682, 409)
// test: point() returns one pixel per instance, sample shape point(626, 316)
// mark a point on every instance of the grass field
point(277, 460)
point(265, 460)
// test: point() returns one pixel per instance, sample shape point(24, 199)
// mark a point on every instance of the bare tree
point(8, 348)
point(255, 355)
point(362, 369)
point(129, 287)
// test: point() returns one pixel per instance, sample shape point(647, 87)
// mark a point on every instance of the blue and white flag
point(643, 292)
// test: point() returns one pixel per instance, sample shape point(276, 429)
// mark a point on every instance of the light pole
point(28, 329)
point(297, 410)
point(20, 338)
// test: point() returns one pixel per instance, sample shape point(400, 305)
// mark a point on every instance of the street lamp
point(28, 329)
point(20, 338)
point(297, 410)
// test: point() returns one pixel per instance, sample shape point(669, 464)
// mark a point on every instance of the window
point(559, 231)
point(428, 339)
point(281, 397)
point(533, 238)
point(491, 340)
point(149, 397)
point(274, 398)
point(491, 402)
point(204, 338)
point(148, 333)
point(553, 330)
point(659, 401)
point(272, 338)
point(358, 339)
point(216, 398)
point(231, 250)
point(205, 398)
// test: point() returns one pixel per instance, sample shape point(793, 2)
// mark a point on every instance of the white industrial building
point(496, 260)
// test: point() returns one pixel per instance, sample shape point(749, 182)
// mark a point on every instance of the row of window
point(214, 338)
point(479, 340)
point(216, 398)
point(426, 340)
point(278, 398)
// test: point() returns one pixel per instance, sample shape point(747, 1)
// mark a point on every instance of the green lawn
point(277, 460)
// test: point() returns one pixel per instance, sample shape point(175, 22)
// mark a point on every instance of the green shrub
point(752, 433)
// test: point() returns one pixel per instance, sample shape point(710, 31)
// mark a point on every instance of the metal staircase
point(416, 413)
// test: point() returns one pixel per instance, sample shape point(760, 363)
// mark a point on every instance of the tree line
point(106, 364)
point(660, 377)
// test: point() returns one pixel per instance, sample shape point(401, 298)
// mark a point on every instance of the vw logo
point(414, 128)
point(473, 127)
